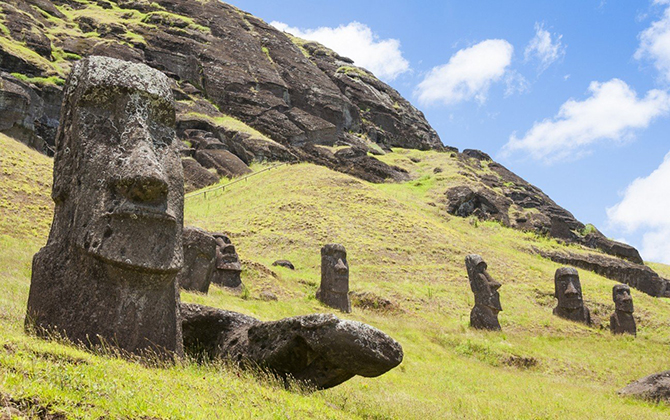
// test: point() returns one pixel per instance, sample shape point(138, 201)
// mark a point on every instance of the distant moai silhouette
point(568, 291)
point(484, 314)
point(622, 320)
point(334, 289)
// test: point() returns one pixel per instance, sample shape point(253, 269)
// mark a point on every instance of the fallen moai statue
point(654, 388)
point(484, 314)
point(107, 273)
point(199, 260)
point(320, 350)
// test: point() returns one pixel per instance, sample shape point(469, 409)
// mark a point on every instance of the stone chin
point(624, 307)
point(571, 304)
point(135, 242)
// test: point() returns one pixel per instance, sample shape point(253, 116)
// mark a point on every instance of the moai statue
point(622, 320)
point(568, 291)
point(107, 273)
point(228, 268)
point(334, 289)
point(484, 314)
point(199, 260)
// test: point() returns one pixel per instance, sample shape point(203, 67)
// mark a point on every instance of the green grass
point(401, 246)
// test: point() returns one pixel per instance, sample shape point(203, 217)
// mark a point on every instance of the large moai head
point(568, 288)
point(623, 302)
point(199, 260)
point(107, 273)
point(484, 287)
point(118, 180)
point(334, 289)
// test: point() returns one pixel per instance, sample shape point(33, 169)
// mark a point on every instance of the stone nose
point(494, 285)
point(142, 179)
point(571, 290)
point(340, 267)
point(626, 296)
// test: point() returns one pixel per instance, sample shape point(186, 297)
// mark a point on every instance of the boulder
point(224, 162)
point(284, 263)
point(320, 350)
point(654, 388)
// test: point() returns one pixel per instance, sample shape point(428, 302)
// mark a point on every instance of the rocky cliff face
point(241, 83)
point(246, 92)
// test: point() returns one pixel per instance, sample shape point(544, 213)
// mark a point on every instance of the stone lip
point(321, 349)
point(655, 387)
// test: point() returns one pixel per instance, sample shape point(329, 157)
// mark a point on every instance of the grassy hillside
point(402, 248)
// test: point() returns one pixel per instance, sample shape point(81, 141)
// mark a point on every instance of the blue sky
point(571, 95)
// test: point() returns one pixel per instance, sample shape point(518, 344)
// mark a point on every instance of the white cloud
point(644, 206)
point(655, 43)
point(543, 48)
point(611, 113)
point(357, 41)
point(468, 74)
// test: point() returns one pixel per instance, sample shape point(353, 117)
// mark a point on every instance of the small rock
point(654, 387)
point(284, 263)
point(268, 296)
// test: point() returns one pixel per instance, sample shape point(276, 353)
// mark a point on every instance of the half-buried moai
point(622, 320)
point(484, 314)
point(334, 289)
point(228, 268)
point(199, 260)
point(568, 291)
point(107, 272)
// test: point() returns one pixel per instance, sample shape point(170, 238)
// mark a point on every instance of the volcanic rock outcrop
point(334, 289)
point(637, 276)
point(318, 349)
point(490, 191)
point(253, 90)
point(199, 260)
point(107, 272)
point(484, 314)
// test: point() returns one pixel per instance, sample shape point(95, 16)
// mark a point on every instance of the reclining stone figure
point(334, 289)
point(320, 350)
point(568, 291)
point(484, 314)
point(107, 272)
point(622, 320)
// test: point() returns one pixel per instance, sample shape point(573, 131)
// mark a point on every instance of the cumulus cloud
point(468, 74)
point(644, 206)
point(357, 41)
point(611, 113)
point(655, 43)
point(543, 48)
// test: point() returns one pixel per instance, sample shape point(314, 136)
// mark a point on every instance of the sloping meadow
point(408, 277)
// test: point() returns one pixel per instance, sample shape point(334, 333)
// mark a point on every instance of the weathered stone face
point(107, 273)
point(484, 315)
point(568, 288)
point(568, 291)
point(228, 267)
point(116, 163)
point(334, 289)
point(623, 301)
point(199, 260)
point(622, 320)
